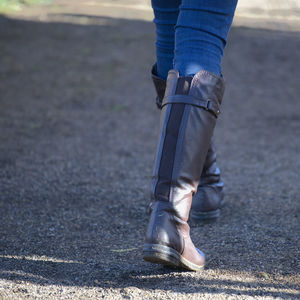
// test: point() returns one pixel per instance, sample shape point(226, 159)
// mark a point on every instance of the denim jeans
point(191, 34)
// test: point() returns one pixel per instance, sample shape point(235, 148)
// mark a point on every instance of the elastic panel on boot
point(164, 183)
point(183, 85)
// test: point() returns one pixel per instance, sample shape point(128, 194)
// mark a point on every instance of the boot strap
point(209, 105)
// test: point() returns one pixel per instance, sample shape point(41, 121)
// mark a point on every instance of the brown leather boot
point(189, 111)
point(209, 197)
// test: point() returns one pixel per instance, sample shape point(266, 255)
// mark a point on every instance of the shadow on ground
point(77, 135)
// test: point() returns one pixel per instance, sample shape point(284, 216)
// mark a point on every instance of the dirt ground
point(78, 130)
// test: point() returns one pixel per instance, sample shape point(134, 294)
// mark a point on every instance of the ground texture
point(78, 130)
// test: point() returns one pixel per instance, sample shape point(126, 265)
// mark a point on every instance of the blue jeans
point(191, 34)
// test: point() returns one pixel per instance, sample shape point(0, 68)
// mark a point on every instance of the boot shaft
point(189, 111)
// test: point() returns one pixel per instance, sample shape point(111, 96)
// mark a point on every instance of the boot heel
point(160, 254)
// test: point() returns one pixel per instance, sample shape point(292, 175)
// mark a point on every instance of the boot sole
point(160, 254)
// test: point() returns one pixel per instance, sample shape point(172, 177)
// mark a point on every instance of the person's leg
point(165, 19)
point(189, 111)
point(206, 37)
point(200, 35)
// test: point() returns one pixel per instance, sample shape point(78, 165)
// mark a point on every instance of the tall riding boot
point(189, 111)
point(209, 197)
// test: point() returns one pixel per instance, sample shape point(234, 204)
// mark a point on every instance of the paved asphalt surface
point(78, 130)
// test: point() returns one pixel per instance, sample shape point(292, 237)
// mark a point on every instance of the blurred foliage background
point(7, 6)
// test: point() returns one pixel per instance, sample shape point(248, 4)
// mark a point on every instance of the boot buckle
point(210, 107)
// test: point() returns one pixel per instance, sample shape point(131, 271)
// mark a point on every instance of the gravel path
point(78, 129)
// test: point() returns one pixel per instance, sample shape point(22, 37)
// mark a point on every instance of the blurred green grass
point(8, 6)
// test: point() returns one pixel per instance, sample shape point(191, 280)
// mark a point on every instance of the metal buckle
point(210, 107)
